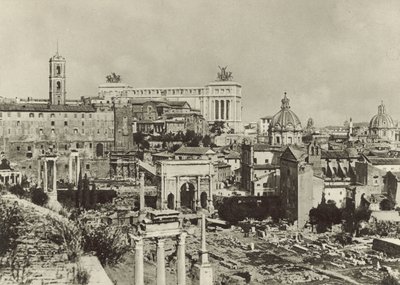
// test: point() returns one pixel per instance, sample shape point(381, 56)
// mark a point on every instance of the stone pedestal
point(203, 274)
point(203, 270)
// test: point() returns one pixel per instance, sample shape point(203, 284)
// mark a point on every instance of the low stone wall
point(97, 274)
point(390, 246)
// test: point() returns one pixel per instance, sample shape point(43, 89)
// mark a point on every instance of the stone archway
point(171, 201)
point(187, 195)
point(203, 200)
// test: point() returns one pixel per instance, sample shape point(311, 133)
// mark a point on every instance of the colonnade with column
point(223, 109)
point(160, 241)
point(10, 177)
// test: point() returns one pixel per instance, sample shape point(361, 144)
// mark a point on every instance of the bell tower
point(57, 90)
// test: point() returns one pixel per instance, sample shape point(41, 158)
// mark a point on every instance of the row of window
point(52, 115)
point(75, 131)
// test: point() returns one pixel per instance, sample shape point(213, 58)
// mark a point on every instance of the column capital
point(182, 238)
point(160, 242)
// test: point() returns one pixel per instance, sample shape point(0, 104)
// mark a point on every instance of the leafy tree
point(325, 215)
point(195, 141)
point(18, 190)
point(38, 196)
point(138, 138)
point(206, 141)
point(5, 164)
point(145, 144)
point(189, 136)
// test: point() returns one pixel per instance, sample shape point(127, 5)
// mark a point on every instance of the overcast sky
point(335, 59)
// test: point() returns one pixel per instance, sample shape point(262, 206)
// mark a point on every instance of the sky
point(335, 59)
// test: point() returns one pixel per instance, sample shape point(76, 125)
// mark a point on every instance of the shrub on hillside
point(10, 220)
point(67, 233)
point(107, 242)
point(390, 280)
point(38, 196)
point(82, 276)
point(18, 190)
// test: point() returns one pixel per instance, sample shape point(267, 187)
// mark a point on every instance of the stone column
point(160, 262)
point(78, 169)
point(70, 169)
point(178, 194)
point(54, 177)
point(39, 181)
point(142, 203)
point(181, 270)
point(139, 268)
point(45, 176)
point(198, 192)
point(162, 188)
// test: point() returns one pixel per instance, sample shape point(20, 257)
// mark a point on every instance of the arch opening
point(187, 195)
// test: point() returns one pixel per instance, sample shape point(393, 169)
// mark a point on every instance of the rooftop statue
point(113, 78)
point(224, 75)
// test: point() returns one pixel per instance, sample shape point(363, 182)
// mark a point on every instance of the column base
point(203, 274)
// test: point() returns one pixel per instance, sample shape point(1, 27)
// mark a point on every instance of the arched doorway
point(203, 200)
point(170, 201)
point(187, 195)
point(99, 150)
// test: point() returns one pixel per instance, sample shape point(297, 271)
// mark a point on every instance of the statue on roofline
point(113, 78)
point(224, 75)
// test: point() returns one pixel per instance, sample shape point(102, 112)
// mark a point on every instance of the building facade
point(220, 100)
point(32, 129)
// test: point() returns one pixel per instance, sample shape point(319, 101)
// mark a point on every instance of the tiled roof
point(384, 160)
point(233, 155)
point(46, 108)
point(337, 154)
point(298, 152)
point(265, 147)
point(194, 150)
point(221, 164)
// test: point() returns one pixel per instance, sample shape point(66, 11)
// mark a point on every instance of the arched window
point(58, 85)
point(58, 70)
point(31, 115)
point(40, 115)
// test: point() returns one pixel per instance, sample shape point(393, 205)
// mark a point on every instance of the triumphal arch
point(186, 184)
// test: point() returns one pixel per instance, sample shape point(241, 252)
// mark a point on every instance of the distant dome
point(382, 120)
point(285, 119)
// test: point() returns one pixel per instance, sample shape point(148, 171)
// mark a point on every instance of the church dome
point(382, 120)
point(285, 119)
